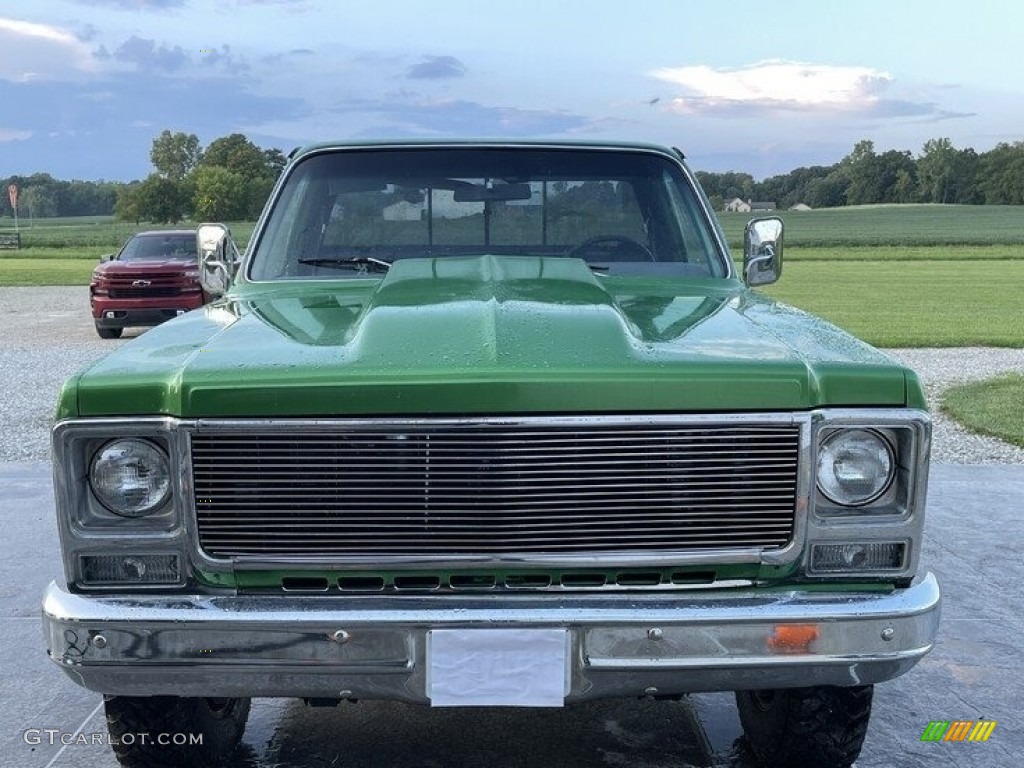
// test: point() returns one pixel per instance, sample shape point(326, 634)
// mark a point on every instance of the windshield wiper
point(363, 262)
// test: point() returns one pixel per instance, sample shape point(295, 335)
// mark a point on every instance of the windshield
point(342, 213)
point(153, 247)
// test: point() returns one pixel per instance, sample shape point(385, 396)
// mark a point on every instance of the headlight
point(855, 466)
point(130, 477)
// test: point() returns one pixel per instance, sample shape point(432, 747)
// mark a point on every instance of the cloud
point(87, 32)
point(137, 5)
point(291, 5)
point(224, 58)
point(775, 85)
point(41, 52)
point(277, 58)
point(13, 134)
point(436, 68)
point(146, 55)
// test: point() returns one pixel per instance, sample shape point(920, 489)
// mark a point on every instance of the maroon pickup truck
point(153, 278)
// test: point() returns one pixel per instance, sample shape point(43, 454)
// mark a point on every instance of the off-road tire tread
point(820, 727)
point(170, 714)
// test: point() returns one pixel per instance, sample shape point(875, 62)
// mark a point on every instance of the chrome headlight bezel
point(895, 517)
point(87, 528)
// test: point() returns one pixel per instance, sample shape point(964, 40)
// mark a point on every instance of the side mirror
point(106, 257)
point(762, 251)
point(218, 258)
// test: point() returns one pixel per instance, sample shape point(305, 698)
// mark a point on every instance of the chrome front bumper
point(375, 647)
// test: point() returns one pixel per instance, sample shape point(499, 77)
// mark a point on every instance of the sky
point(85, 85)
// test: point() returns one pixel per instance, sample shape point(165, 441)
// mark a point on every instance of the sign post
point(12, 195)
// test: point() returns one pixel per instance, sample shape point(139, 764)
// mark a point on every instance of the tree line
point(941, 173)
point(231, 179)
point(42, 196)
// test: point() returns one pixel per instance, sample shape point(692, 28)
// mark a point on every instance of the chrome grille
point(478, 488)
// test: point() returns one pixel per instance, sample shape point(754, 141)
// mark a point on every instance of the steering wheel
point(610, 246)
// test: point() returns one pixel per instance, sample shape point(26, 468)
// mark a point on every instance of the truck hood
point(488, 335)
point(114, 268)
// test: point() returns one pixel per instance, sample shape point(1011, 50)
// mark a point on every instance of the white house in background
point(800, 207)
point(746, 206)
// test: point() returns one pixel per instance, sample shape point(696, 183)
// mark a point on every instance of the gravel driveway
point(46, 334)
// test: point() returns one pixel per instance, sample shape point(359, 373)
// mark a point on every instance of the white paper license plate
point(497, 667)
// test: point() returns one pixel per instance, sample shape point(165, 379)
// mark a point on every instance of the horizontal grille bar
point(136, 293)
point(481, 489)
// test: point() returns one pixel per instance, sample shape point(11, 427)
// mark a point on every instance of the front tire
point(820, 727)
point(219, 724)
point(109, 333)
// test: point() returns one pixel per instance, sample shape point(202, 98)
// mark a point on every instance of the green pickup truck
point(485, 424)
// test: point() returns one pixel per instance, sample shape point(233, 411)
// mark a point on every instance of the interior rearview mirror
point(762, 251)
point(218, 258)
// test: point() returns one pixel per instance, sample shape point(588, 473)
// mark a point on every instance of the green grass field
point(46, 271)
point(83, 236)
point(990, 407)
point(913, 304)
point(894, 225)
point(1002, 252)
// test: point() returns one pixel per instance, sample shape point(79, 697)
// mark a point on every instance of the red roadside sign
point(12, 195)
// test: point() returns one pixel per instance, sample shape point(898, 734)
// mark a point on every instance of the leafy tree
point(1001, 174)
point(905, 188)
point(254, 170)
point(129, 203)
point(862, 168)
point(728, 185)
point(275, 160)
point(219, 194)
point(936, 169)
point(790, 188)
point(174, 155)
point(38, 201)
point(896, 174)
point(827, 192)
point(237, 154)
point(162, 200)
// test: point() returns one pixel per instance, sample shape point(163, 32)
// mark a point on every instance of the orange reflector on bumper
point(793, 638)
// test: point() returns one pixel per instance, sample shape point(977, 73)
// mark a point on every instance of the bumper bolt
point(99, 641)
point(650, 691)
point(888, 633)
point(341, 636)
point(655, 634)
